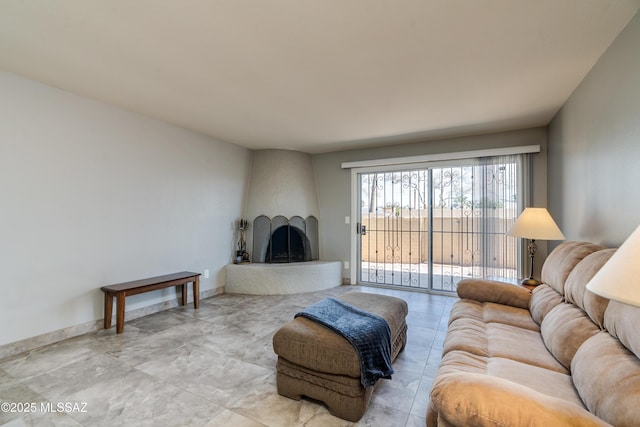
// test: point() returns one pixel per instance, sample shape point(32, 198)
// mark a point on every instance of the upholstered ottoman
point(316, 362)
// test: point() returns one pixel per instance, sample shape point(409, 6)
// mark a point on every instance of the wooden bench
point(122, 290)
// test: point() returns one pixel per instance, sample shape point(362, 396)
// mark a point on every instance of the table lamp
point(618, 278)
point(535, 224)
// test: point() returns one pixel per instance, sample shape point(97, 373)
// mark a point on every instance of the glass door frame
point(356, 209)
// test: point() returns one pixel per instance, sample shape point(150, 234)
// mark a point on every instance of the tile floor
point(208, 367)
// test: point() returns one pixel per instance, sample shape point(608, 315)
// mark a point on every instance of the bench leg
point(108, 310)
point(196, 292)
point(120, 297)
point(184, 294)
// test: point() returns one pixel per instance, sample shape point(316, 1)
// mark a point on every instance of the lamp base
point(530, 281)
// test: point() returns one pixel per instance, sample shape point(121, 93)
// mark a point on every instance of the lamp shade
point(536, 224)
point(618, 279)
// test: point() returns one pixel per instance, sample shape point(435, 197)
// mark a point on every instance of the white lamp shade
point(537, 224)
point(619, 278)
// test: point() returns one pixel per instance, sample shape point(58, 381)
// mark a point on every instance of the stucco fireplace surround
point(283, 238)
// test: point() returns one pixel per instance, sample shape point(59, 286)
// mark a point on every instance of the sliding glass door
point(393, 226)
point(428, 227)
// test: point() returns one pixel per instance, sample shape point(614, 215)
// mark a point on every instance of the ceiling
point(317, 75)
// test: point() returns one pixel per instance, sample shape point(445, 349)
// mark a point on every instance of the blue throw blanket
point(369, 334)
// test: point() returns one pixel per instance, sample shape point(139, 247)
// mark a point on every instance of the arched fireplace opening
point(282, 240)
point(287, 244)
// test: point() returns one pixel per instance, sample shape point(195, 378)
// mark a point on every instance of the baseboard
point(52, 337)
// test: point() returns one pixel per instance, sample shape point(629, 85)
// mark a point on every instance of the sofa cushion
point(575, 288)
point(553, 383)
point(606, 368)
point(623, 321)
point(543, 299)
point(488, 312)
point(499, 340)
point(562, 260)
point(507, 315)
point(565, 329)
point(474, 399)
point(607, 377)
point(467, 335)
point(521, 345)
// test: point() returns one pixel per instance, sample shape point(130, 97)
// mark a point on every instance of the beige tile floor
point(213, 366)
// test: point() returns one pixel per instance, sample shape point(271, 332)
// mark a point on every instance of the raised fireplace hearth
point(282, 278)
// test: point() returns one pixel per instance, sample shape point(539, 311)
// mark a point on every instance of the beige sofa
point(559, 356)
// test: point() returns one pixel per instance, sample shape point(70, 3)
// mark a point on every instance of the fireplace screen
point(282, 240)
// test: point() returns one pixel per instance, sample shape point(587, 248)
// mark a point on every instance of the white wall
point(594, 148)
point(94, 195)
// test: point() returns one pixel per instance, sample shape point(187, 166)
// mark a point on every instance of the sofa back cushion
point(562, 260)
point(623, 322)
point(543, 299)
point(606, 368)
point(564, 330)
point(569, 324)
point(557, 270)
point(607, 377)
point(575, 288)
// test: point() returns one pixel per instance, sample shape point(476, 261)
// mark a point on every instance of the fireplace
point(285, 260)
point(287, 244)
point(282, 187)
point(283, 240)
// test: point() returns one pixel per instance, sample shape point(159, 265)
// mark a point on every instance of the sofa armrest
point(493, 291)
point(463, 399)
